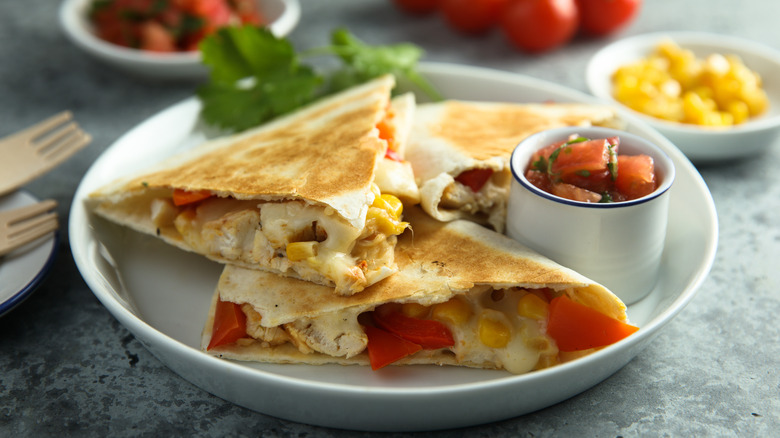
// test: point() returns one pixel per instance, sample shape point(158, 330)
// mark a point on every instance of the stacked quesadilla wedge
point(460, 152)
point(464, 295)
point(296, 196)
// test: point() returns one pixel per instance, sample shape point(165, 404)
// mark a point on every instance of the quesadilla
point(295, 196)
point(464, 295)
point(460, 152)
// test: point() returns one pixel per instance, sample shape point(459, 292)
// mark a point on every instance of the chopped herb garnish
point(576, 140)
point(606, 198)
point(541, 165)
point(612, 164)
point(583, 173)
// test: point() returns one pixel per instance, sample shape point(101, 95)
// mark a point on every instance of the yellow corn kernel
point(384, 223)
point(756, 100)
point(493, 332)
point(391, 204)
point(297, 251)
point(739, 110)
point(531, 306)
point(414, 310)
point(455, 311)
point(539, 343)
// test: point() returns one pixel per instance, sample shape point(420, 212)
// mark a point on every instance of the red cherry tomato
point(601, 17)
point(417, 6)
point(472, 16)
point(539, 25)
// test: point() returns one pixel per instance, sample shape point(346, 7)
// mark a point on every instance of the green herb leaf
point(255, 76)
point(364, 62)
point(576, 140)
point(235, 53)
point(541, 165)
point(551, 160)
point(612, 164)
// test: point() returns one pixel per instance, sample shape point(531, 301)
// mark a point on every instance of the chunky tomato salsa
point(591, 170)
point(168, 25)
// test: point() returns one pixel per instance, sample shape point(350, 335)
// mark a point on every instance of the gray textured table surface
point(68, 367)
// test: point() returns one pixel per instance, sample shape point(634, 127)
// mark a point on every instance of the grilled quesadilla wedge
point(464, 295)
point(295, 196)
point(460, 152)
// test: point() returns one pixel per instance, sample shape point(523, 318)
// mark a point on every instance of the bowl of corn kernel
point(715, 97)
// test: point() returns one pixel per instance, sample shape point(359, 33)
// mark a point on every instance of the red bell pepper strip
point(229, 324)
point(385, 348)
point(393, 155)
point(575, 326)
point(428, 333)
point(475, 179)
point(184, 197)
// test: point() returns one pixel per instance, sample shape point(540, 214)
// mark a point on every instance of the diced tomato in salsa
point(570, 191)
point(591, 170)
point(585, 164)
point(167, 25)
point(636, 176)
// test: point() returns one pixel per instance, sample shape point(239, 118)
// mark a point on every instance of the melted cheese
point(254, 233)
point(488, 205)
point(339, 334)
point(527, 340)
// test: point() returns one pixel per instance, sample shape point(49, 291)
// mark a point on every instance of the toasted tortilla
point(452, 137)
point(437, 262)
point(313, 168)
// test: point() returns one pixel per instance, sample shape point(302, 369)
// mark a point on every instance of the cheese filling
point(502, 328)
point(487, 205)
point(290, 237)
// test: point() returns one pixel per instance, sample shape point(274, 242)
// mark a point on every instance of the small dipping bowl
point(617, 244)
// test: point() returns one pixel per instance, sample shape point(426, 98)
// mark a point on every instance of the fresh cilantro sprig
point(255, 76)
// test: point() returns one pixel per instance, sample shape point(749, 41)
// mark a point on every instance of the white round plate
point(162, 295)
point(23, 270)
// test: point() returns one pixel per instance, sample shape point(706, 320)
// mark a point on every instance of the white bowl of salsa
point(280, 16)
point(587, 216)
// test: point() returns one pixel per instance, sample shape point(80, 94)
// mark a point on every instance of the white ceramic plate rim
point(29, 268)
point(72, 19)
point(378, 407)
point(642, 45)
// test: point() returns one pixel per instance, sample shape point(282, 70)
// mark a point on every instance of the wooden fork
point(34, 151)
point(25, 224)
